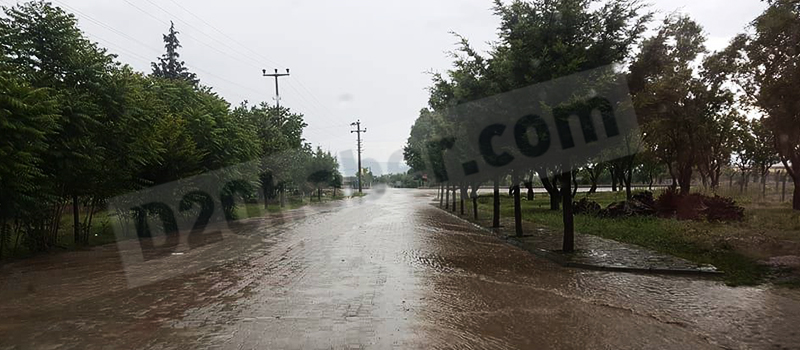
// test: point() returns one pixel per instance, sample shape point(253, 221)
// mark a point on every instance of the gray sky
point(349, 60)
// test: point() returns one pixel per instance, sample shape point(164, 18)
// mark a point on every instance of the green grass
point(251, 210)
point(102, 231)
point(701, 242)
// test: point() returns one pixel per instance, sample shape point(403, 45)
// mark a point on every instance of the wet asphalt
point(388, 270)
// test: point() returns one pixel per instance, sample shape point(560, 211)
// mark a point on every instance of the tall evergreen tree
point(169, 64)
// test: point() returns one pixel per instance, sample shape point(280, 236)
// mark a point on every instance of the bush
point(697, 206)
point(585, 206)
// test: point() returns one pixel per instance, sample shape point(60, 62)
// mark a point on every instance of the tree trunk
point(672, 175)
point(715, 175)
point(461, 198)
point(685, 180)
point(746, 181)
point(475, 206)
point(555, 202)
point(569, 220)
point(446, 197)
point(628, 190)
point(76, 219)
point(283, 197)
point(454, 198)
point(2, 237)
point(552, 190)
point(613, 182)
point(319, 194)
point(517, 211)
point(796, 198)
point(266, 197)
point(496, 204)
point(441, 195)
point(743, 183)
point(529, 186)
point(574, 176)
point(783, 191)
point(88, 225)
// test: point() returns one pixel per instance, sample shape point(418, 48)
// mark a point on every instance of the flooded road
point(384, 271)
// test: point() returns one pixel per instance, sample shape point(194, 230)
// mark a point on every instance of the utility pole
point(276, 75)
point(358, 131)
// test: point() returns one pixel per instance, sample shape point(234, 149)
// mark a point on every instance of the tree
point(322, 170)
point(714, 150)
point(80, 127)
point(744, 151)
point(544, 40)
point(763, 151)
point(593, 171)
point(27, 118)
point(675, 101)
point(44, 46)
point(650, 167)
point(276, 130)
point(336, 182)
point(169, 65)
point(538, 41)
point(769, 71)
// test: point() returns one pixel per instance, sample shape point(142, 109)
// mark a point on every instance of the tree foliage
point(79, 127)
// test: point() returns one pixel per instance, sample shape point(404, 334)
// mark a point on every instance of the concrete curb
point(561, 260)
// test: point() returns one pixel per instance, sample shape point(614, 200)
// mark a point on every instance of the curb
point(560, 260)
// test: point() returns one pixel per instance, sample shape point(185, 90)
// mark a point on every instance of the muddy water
point(384, 271)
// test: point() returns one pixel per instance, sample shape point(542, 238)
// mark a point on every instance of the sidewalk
point(592, 252)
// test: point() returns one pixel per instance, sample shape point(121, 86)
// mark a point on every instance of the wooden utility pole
point(276, 75)
point(358, 131)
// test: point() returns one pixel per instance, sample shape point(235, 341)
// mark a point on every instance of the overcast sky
point(349, 60)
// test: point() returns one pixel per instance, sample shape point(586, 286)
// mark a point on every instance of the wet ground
point(592, 252)
point(384, 271)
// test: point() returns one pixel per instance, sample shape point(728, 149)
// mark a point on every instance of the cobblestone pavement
point(384, 271)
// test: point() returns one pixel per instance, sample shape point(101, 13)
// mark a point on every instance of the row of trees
point(690, 103)
point(78, 127)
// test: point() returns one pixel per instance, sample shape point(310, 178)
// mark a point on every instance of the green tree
point(678, 105)
point(769, 71)
point(169, 65)
point(763, 151)
point(44, 46)
point(539, 41)
point(27, 118)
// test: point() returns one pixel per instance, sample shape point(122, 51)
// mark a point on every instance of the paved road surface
point(385, 271)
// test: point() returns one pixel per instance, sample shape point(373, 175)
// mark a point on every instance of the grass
point(102, 231)
point(250, 210)
point(732, 247)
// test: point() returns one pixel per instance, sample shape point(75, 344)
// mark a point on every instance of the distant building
point(349, 182)
point(778, 168)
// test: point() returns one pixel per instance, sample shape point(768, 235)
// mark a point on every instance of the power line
point(255, 62)
point(105, 26)
point(225, 35)
point(122, 34)
point(299, 81)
